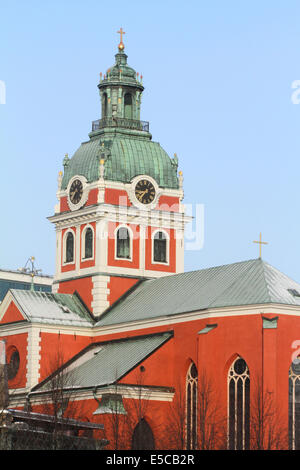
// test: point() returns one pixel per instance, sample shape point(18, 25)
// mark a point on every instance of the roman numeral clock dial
point(145, 191)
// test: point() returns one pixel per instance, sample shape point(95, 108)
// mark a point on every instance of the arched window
point(69, 248)
point(239, 405)
point(294, 405)
point(191, 407)
point(123, 243)
point(160, 248)
point(104, 105)
point(88, 243)
point(128, 106)
point(142, 438)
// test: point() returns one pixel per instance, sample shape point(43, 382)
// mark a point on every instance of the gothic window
point(123, 243)
point(128, 106)
point(294, 405)
point(160, 248)
point(191, 407)
point(142, 438)
point(69, 248)
point(239, 405)
point(88, 243)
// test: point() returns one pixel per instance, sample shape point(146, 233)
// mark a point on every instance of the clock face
point(145, 191)
point(76, 191)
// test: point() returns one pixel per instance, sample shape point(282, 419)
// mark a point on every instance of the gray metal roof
point(105, 363)
point(244, 283)
point(59, 309)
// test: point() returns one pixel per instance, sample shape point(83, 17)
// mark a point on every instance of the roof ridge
point(263, 266)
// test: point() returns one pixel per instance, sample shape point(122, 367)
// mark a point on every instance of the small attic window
point(65, 309)
point(294, 292)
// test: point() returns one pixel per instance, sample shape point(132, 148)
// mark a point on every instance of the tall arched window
point(239, 405)
point(191, 407)
point(160, 248)
point(294, 405)
point(69, 248)
point(123, 243)
point(88, 243)
point(142, 438)
point(128, 106)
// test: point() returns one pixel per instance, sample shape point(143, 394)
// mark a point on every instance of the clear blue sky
point(218, 84)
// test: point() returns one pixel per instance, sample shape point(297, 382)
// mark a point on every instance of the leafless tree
point(267, 429)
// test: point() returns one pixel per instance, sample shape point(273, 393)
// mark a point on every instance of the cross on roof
point(260, 242)
point(121, 32)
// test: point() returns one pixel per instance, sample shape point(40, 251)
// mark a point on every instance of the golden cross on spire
point(260, 242)
point(121, 32)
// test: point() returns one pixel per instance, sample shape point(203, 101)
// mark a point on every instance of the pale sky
point(218, 80)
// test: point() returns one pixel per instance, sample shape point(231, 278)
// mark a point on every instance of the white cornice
point(130, 215)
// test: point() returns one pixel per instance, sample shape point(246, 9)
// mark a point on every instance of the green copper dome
point(125, 158)
point(120, 137)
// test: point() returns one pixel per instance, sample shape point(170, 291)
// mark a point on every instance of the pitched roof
point(244, 283)
point(105, 363)
point(59, 309)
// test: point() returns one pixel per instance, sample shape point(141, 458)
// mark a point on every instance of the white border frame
point(85, 193)
point(83, 259)
point(64, 248)
point(130, 242)
point(167, 263)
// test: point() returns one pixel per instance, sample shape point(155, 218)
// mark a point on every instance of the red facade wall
point(118, 286)
point(12, 314)
point(83, 286)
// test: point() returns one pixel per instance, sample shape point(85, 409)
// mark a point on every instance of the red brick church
point(165, 359)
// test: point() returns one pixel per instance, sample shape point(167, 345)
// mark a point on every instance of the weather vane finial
point(121, 45)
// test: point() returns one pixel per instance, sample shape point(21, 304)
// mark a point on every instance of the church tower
point(119, 218)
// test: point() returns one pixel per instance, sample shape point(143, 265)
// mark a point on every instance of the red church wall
point(92, 197)
point(135, 252)
point(12, 314)
point(158, 368)
point(116, 197)
point(83, 286)
point(168, 203)
point(57, 349)
point(64, 206)
point(118, 286)
point(153, 266)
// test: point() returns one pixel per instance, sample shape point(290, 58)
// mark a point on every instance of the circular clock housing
point(145, 191)
point(76, 191)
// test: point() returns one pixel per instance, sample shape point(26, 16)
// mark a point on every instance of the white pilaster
point(100, 294)
point(33, 357)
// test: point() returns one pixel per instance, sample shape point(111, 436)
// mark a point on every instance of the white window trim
point(167, 263)
point(64, 263)
point(130, 242)
point(91, 258)
point(235, 377)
